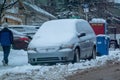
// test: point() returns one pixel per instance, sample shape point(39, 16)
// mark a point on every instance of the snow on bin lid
point(102, 35)
point(98, 20)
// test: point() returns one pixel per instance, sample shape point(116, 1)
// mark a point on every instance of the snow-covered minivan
point(62, 40)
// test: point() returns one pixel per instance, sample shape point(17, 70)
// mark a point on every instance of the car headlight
point(64, 46)
point(31, 50)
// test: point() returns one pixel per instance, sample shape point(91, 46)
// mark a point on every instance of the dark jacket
point(6, 37)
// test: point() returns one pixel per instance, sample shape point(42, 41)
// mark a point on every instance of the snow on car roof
point(23, 26)
point(17, 32)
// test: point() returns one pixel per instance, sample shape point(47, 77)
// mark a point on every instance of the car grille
point(48, 49)
point(48, 59)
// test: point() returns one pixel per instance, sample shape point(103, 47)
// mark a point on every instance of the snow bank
point(19, 69)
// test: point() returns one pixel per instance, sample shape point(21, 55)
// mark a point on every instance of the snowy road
point(19, 69)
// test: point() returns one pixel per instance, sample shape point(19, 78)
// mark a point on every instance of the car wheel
point(94, 53)
point(76, 55)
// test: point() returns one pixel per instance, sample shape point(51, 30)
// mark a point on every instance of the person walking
point(6, 39)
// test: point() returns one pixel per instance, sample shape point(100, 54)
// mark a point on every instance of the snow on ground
point(19, 69)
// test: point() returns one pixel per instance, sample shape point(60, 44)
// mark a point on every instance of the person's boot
point(4, 64)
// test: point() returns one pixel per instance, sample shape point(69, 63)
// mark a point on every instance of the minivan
point(62, 40)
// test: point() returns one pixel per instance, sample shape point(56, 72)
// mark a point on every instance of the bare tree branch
point(10, 5)
point(2, 7)
point(5, 6)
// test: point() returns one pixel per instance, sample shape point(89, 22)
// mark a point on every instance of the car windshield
point(56, 29)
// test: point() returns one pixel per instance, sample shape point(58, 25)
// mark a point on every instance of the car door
point(90, 37)
point(83, 41)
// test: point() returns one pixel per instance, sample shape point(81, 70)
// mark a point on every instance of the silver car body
point(56, 41)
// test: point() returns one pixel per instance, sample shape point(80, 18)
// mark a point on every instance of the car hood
point(49, 41)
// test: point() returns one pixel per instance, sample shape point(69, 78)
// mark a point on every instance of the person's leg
point(6, 50)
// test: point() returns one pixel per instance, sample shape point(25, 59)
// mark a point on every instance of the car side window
point(77, 28)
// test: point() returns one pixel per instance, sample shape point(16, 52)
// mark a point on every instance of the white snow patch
point(98, 20)
point(19, 68)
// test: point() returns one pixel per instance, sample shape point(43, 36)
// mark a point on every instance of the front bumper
point(51, 57)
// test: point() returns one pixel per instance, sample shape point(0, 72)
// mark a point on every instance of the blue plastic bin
point(102, 45)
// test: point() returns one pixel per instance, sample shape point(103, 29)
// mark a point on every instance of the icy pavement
point(19, 69)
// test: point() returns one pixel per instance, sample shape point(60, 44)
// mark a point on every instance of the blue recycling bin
point(102, 45)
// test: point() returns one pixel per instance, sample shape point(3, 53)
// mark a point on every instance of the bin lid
point(103, 35)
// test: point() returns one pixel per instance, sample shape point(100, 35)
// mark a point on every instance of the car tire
point(94, 54)
point(76, 55)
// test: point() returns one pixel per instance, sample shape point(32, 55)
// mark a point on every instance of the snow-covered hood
point(50, 41)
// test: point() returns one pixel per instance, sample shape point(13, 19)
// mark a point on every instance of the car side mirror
point(81, 35)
